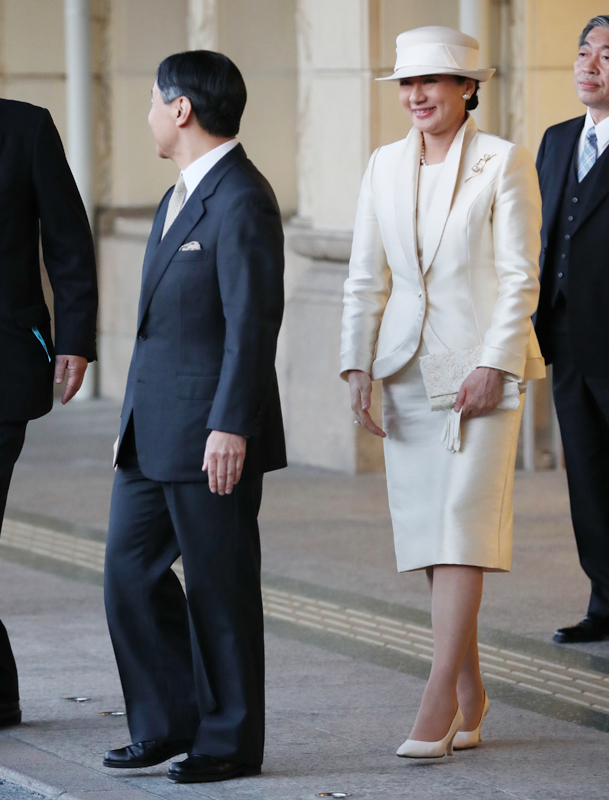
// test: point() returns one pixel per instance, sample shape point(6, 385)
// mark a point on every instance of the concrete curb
point(19, 779)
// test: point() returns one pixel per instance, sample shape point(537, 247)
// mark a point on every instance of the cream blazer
point(478, 282)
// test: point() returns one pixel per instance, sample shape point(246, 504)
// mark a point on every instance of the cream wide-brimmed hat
point(436, 50)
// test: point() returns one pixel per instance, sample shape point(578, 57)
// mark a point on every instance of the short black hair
point(472, 103)
point(211, 82)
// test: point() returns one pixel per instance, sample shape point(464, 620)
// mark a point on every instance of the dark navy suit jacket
point(39, 198)
point(588, 275)
point(207, 327)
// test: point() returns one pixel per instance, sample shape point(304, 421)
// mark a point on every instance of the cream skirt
point(447, 508)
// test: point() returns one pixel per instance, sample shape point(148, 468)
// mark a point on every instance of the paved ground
point(11, 791)
point(336, 710)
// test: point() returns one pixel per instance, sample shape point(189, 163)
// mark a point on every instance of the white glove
point(451, 434)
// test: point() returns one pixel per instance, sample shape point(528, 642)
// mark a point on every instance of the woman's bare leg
point(456, 595)
point(470, 689)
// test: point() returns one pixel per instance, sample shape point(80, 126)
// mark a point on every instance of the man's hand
point(223, 461)
point(75, 366)
point(361, 393)
point(480, 392)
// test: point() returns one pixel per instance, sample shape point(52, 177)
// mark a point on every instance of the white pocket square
point(191, 246)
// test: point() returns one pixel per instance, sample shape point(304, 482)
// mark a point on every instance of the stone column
point(203, 24)
point(79, 90)
point(475, 20)
point(78, 97)
point(334, 147)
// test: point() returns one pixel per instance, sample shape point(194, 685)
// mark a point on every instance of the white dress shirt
point(602, 134)
point(195, 172)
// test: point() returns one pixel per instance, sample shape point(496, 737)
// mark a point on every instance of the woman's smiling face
point(435, 102)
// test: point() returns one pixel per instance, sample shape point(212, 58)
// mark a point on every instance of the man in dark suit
point(201, 423)
point(573, 317)
point(38, 198)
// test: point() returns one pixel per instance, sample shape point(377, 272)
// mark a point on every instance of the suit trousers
point(12, 436)
point(191, 666)
point(582, 405)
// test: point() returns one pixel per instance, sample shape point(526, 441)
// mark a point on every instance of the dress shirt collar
point(602, 133)
point(195, 172)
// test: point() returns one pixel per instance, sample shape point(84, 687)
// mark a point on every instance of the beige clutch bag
point(443, 374)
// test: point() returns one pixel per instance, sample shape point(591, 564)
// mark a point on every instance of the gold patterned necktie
point(175, 204)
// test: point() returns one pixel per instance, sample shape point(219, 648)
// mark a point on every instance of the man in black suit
point(573, 317)
point(201, 423)
point(38, 198)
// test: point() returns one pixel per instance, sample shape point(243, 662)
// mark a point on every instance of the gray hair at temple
point(602, 21)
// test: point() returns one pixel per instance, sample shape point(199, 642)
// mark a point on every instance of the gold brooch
point(479, 165)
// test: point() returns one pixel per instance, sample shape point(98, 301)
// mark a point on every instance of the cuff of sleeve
point(355, 359)
point(246, 431)
point(504, 360)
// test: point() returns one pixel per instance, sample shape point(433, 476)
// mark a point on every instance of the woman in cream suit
point(456, 215)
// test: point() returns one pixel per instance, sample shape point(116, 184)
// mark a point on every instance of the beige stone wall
point(260, 37)
point(32, 64)
point(141, 33)
point(121, 252)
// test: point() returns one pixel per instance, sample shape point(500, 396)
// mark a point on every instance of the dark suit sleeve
point(250, 275)
point(67, 245)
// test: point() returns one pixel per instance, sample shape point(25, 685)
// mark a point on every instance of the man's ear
point(184, 111)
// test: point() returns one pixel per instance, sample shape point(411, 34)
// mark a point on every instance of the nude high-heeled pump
point(464, 740)
point(414, 749)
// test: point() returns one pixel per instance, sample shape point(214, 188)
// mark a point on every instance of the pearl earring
point(465, 96)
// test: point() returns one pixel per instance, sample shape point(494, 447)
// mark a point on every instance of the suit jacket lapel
point(157, 229)
point(405, 193)
point(160, 251)
point(559, 162)
point(167, 247)
point(444, 192)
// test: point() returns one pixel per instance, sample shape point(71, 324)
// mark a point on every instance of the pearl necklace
point(423, 162)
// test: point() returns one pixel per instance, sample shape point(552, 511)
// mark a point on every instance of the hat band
point(452, 56)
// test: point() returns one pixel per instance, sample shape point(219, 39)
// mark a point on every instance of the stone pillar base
point(316, 405)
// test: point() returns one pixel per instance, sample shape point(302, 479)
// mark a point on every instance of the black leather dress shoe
point(590, 629)
point(206, 769)
point(10, 714)
point(145, 754)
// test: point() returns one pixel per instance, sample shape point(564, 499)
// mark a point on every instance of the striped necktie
point(175, 204)
point(589, 155)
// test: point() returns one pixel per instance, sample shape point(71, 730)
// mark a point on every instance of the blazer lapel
point(163, 250)
point(560, 163)
point(445, 190)
point(186, 220)
point(405, 193)
point(157, 229)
